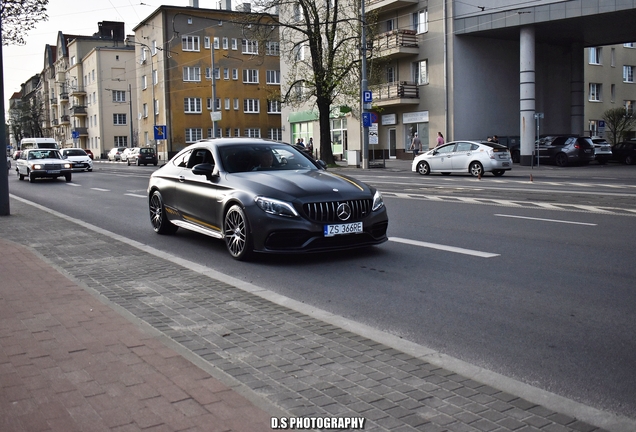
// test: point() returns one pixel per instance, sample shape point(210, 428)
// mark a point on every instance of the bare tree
point(618, 122)
point(20, 16)
point(320, 41)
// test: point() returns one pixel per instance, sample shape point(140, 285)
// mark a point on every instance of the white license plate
point(350, 228)
point(53, 172)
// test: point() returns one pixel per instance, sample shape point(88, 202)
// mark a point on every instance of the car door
point(462, 156)
point(440, 160)
point(197, 195)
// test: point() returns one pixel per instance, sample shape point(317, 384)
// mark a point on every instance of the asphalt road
point(534, 280)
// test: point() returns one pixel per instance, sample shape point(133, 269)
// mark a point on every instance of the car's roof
point(482, 142)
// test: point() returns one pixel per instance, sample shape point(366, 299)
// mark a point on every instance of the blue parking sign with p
point(367, 96)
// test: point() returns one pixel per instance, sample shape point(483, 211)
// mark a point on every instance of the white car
point(127, 153)
point(474, 157)
point(79, 158)
point(43, 163)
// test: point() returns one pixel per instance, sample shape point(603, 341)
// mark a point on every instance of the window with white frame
point(629, 107)
point(210, 133)
point(628, 74)
point(119, 96)
point(420, 72)
point(275, 134)
point(144, 82)
point(216, 43)
point(629, 45)
point(237, 132)
point(156, 106)
point(226, 73)
point(193, 134)
point(225, 43)
point(595, 92)
point(153, 49)
point(390, 74)
point(595, 56)
point(192, 105)
point(299, 52)
point(252, 132)
point(273, 77)
point(249, 46)
point(155, 77)
point(250, 76)
point(208, 73)
point(206, 42)
point(234, 44)
point(227, 132)
point(144, 55)
point(121, 141)
point(217, 73)
point(234, 74)
point(73, 60)
point(217, 104)
point(209, 103)
point(420, 21)
point(191, 73)
point(251, 106)
point(273, 107)
point(190, 43)
point(236, 104)
point(144, 110)
point(296, 12)
point(272, 48)
point(227, 104)
point(119, 119)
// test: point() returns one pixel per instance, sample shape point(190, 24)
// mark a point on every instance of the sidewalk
point(88, 341)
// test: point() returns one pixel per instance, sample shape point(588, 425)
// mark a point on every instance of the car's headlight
point(36, 167)
point(67, 165)
point(378, 202)
point(275, 207)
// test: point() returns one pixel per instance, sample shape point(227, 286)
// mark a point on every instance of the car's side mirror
point(206, 169)
point(322, 163)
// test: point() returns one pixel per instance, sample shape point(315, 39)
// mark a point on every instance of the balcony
point(78, 91)
point(396, 93)
point(60, 77)
point(78, 110)
point(387, 5)
point(63, 97)
point(55, 122)
point(81, 131)
point(395, 44)
point(65, 119)
point(53, 101)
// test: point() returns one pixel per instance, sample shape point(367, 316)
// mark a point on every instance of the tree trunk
point(326, 153)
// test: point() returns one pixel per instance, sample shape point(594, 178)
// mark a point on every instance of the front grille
point(326, 212)
point(53, 166)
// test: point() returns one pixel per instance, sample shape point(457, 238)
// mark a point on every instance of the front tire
point(629, 160)
point(20, 176)
point(68, 177)
point(158, 217)
point(236, 232)
point(476, 169)
point(561, 160)
point(423, 168)
point(31, 177)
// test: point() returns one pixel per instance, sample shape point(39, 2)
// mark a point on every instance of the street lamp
point(152, 79)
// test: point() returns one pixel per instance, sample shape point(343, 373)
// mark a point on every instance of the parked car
point(115, 153)
point(602, 150)
point(79, 158)
point(127, 152)
point(43, 163)
point(143, 156)
point(223, 188)
point(474, 157)
point(625, 152)
point(89, 153)
point(566, 150)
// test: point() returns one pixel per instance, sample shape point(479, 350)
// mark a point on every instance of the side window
point(474, 147)
point(446, 149)
point(463, 147)
point(200, 156)
point(182, 160)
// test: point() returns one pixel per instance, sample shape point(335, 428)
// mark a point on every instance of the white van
point(43, 143)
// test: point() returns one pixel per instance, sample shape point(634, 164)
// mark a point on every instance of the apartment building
point(199, 75)
point(609, 75)
point(85, 89)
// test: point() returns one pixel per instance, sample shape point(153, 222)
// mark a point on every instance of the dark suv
point(566, 150)
point(625, 152)
point(144, 156)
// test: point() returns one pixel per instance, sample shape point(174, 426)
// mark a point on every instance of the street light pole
point(131, 114)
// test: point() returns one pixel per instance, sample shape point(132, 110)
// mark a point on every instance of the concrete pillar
point(527, 93)
point(577, 90)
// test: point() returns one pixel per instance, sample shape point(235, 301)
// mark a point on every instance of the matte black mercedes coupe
point(264, 196)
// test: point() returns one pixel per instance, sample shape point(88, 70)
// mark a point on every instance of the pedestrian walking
point(440, 139)
point(416, 145)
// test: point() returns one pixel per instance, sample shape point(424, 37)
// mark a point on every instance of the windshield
point(44, 154)
point(259, 157)
point(75, 153)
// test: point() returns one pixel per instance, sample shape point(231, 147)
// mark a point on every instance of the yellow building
point(179, 50)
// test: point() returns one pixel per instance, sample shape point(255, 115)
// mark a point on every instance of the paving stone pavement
point(286, 362)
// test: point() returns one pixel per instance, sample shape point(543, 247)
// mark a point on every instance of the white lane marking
point(444, 247)
point(546, 220)
point(101, 190)
point(135, 195)
point(73, 184)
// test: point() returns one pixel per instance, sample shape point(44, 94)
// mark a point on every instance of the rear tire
point(561, 160)
point(158, 217)
point(476, 169)
point(20, 176)
point(629, 160)
point(236, 232)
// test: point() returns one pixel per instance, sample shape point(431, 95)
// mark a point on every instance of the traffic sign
point(366, 119)
point(367, 96)
point(161, 132)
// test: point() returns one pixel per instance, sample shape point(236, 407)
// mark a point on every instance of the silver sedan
point(473, 157)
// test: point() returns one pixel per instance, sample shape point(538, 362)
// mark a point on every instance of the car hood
point(78, 158)
point(47, 161)
point(302, 185)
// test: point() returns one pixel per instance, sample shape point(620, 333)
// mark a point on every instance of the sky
point(78, 17)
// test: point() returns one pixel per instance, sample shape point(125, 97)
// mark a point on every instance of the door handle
point(181, 179)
